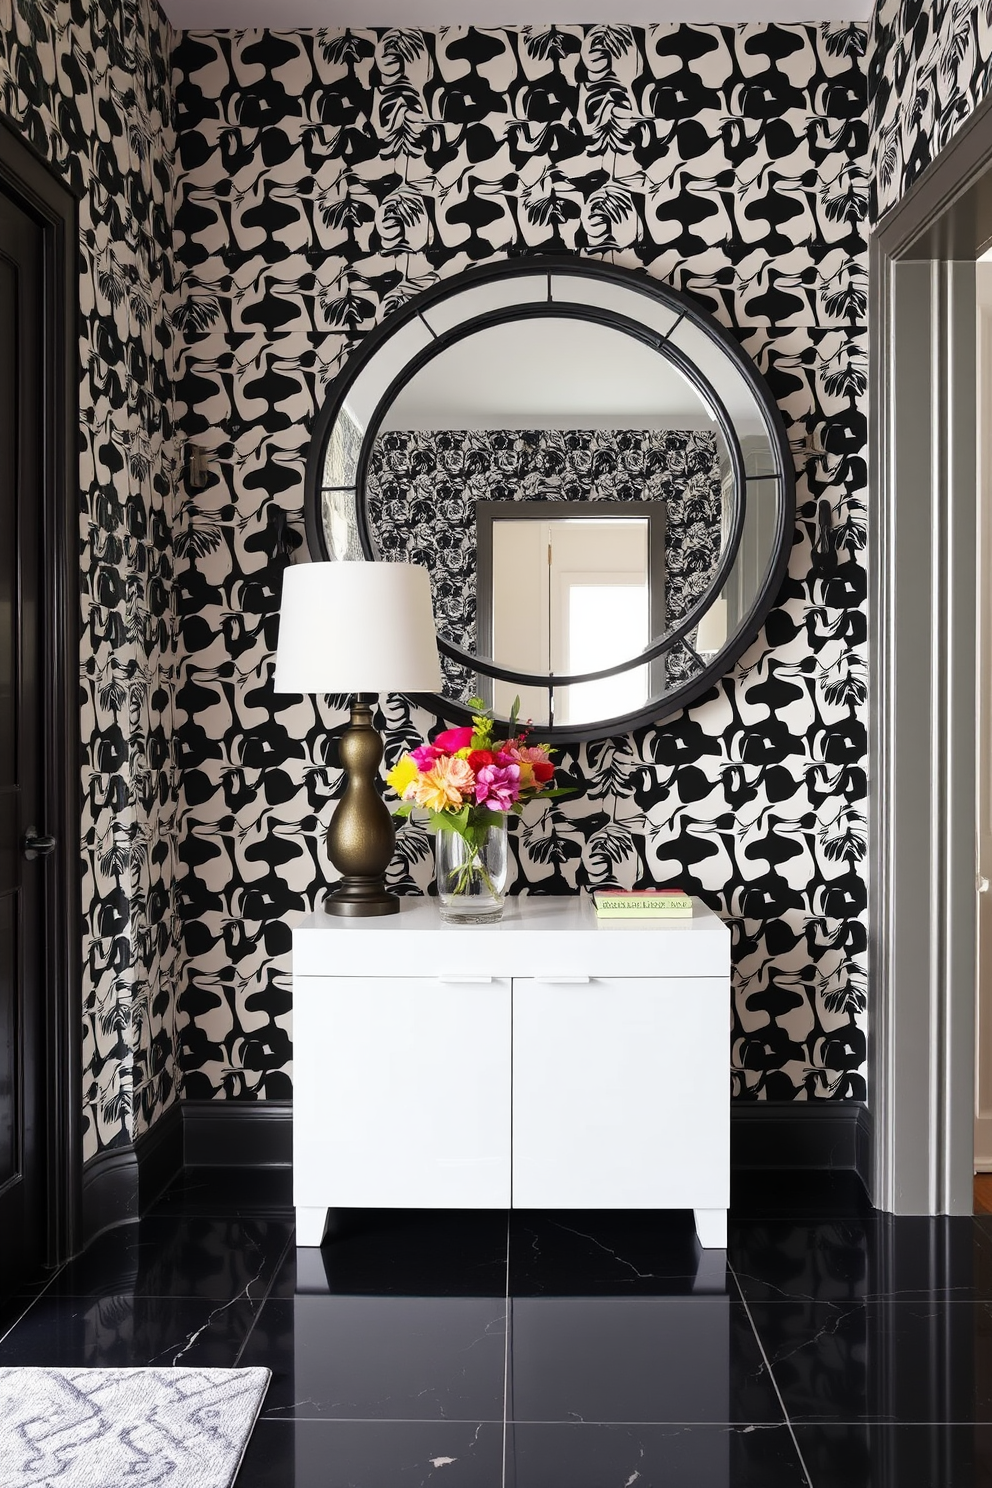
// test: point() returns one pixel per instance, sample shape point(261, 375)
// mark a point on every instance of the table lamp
point(360, 628)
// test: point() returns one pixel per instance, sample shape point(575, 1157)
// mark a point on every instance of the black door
point(22, 415)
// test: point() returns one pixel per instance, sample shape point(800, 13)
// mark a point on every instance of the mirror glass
point(589, 477)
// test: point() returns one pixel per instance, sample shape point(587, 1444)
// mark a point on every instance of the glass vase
point(471, 880)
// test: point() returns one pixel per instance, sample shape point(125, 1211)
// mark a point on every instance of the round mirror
point(591, 471)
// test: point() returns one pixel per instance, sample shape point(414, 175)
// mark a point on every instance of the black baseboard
point(800, 1134)
point(110, 1191)
point(121, 1183)
point(160, 1154)
point(237, 1134)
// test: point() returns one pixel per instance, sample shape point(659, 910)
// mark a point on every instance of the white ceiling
point(289, 15)
point(548, 374)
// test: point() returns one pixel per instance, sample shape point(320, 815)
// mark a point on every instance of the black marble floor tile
point(179, 1256)
point(119, 1330)
point(229, 1191)
point(374, 1454)
point(379, 1358)
point(803, 1194)
point(886, 1361)
point(411, 1253)
point(610, 1254)
point(930, 1455)
point(858, 1259)
point(636, 1359)
point(783, 1259)
point(601, 1455)
point(12, 1308)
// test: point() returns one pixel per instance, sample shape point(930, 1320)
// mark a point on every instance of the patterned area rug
point(146, 1428)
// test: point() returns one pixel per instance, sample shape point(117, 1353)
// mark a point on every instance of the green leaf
point(486, 818)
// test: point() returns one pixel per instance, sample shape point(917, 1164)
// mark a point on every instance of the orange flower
point(445, 786)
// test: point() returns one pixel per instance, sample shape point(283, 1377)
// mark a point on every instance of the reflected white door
point(588, 607)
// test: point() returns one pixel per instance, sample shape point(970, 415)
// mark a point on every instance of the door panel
point(403, 1093)
point(21, 421)
point(620, 1094)
point(9, 956)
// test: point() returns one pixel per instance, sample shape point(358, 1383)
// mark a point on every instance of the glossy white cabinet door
point(621, 1093)
point(402, 1093)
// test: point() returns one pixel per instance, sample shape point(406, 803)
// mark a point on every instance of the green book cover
point(659, 904)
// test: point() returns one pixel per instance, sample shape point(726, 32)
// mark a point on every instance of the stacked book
point(642, 904)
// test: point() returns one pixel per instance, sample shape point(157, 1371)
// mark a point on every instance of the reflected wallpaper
point(423, 486)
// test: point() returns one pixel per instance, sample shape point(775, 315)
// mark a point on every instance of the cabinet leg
point(711, 1227)
point(310, 1226)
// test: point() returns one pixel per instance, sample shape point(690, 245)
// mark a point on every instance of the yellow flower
point(402, 775)
point(526, 774)
point(446, 785)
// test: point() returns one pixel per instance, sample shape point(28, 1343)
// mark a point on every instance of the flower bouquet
point(469, 783)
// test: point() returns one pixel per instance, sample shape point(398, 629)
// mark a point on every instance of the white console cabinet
point(547, 1062)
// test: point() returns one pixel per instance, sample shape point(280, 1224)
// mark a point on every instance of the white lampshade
point(356, 627)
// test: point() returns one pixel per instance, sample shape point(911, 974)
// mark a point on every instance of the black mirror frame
point(685, 309)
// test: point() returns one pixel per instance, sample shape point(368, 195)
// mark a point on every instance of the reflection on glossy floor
point(830, 1347)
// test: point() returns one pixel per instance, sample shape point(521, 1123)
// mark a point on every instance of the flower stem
point(473, 866)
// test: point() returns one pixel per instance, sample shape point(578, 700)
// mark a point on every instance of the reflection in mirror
point(569, 594)
point(588, 468)
point(610, 423)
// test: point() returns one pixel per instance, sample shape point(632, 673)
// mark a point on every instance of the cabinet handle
point(564, 981)
point(461, 981)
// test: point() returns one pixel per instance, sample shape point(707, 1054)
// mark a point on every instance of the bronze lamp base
point(361, 837)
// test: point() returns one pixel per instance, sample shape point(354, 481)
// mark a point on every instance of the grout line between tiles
point(771, 1376)
point(31, 1300)
point(268, 1292)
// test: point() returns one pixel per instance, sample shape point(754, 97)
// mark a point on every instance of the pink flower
point(446, 786)
point(497, 786)
point(424, 756)
point(452, 740)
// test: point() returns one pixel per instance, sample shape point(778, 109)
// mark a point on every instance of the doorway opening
point(924, 624)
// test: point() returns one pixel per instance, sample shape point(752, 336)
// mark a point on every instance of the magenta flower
point(453, 739)
point(424, 756)
point(497, 786)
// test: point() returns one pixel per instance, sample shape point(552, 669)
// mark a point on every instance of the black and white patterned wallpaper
point(931, 65)
point(423, 486)
point(323, 178)
point(89, 87)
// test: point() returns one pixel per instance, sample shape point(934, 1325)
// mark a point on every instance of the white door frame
point(922, 624)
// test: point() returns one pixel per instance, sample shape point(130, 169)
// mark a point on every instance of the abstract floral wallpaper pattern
point(423, 486)
point(325, 177)
point(931, 66)
point(322, 178)
point(88, 86)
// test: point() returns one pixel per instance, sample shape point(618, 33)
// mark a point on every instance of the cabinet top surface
point(572, 914)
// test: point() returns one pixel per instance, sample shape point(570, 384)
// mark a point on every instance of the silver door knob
point(35, 844)
point(982, 884)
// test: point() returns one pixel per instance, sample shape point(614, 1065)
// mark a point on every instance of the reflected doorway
point(571, 594)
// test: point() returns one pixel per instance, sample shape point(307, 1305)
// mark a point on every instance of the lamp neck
point(361, 710)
